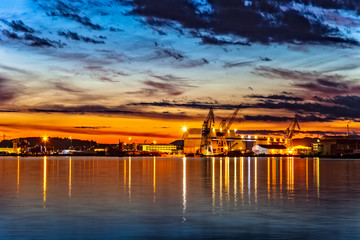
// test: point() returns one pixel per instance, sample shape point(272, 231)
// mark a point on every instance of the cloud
point(61, 86)
point(60, 9)
point(19, 26)
point(187, 104)
point(238, 64)
point(170, 89)
point(167, 78)
point(242, 23)
point(267, 118)
point(107, 79)
point(276, 97)
point(103, 110)
point(313, 81)
point(7, 91)
point(92, 127)
point(77, 37)
point(13, 69)
point(32, 40)
point(41, 42)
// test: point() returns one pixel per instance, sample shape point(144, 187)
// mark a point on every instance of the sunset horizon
point(118, 69)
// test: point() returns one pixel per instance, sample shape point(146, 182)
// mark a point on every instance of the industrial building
point(337, 145)
point(166, 148)
point(269, 149)
point(234, 139)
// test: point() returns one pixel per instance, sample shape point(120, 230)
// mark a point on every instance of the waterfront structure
point(337, 145)
point(269, 149)
point(168, 148)
point(235, 141)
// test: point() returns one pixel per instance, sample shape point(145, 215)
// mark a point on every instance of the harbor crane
point(206, 146)
point(224, 127)
point(289, 132)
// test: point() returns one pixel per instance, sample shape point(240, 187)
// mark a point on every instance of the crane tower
point(206, 146)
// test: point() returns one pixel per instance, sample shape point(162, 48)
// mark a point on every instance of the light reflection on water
point(254, 198)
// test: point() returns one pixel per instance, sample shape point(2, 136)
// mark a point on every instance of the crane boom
point(232, 118)
point(224, 127)
point(289, 132)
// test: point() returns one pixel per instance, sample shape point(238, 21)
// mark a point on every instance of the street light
point(45, 138)
point(70, 142)
point(184, 128)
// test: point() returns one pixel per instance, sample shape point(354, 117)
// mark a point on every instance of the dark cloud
point(167, 78)
point(167, 88)
point(77, 37)
point(188, 104)
point(63, 87)
point(41, 42)
point(103, 110)
point(7, 91)
point(214, 40)
point(60, 9)
point(349, 101)
point(265, 59)
point(261, 21)
point(276, 97)
point(238, 64)
point(300, 117)
point(91, 127)
point(19, 26)
point(311, 111)
point(11, 35)
point(32, 40)
point(171, 53)
point(267, 118)
point(314, 81)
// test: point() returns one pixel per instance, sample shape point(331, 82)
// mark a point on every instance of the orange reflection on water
point(221, 184)
point(213, 182)
point(255, 180)
point(44, 181)
point(184, 189)
point(154, 179)
point(268, 177)
point(69, 177)
point(161, 178)
point(227, 188)
point(129, 179)
point(235, 181)
point(18, 176)
point(242, 176)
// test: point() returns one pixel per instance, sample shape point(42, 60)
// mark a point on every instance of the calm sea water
point(175, 198)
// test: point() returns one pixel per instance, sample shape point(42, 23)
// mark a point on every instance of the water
point(176, 198)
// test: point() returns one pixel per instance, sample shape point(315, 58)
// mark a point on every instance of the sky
point(113, 69)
